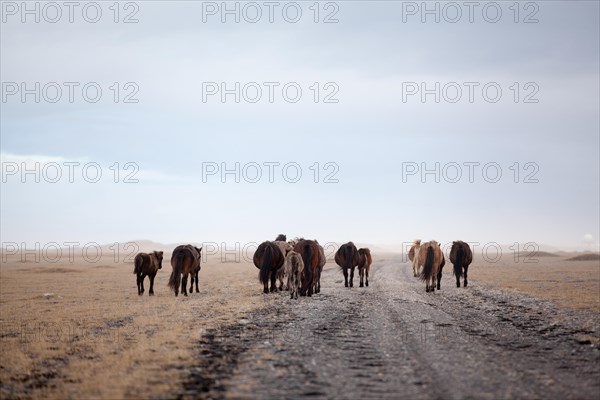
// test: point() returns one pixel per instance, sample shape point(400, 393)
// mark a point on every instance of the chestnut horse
point(432, 257)
point(185, 261)
point(364, 265)
point(317, 276)
point(268, 259)
point(310, 252)
point(147, 264)
point(347, 258)
point(413, 256)
point(461, 256)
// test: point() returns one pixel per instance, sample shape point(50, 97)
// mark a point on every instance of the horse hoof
point(367, 283)
point(151, 294)
point(361, 285)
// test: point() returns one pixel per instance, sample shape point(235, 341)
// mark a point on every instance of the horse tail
point(460, 255)
point(427, 272)
point(307, 260)
point(265, 265)
point(138, 262)
point(348, 257)
point(175, 278)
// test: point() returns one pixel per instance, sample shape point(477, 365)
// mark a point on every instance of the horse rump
point(427, 272)
point(138, 263)
point(265, 265)
point(307, 257)
point(175, 278)
point(458, 264)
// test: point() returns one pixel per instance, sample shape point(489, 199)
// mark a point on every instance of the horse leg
point(457, 280)
point(319, 281)
point(273, 281)
point(352, 277)
point(367, 277)
point(466, 269)
point(151, 277)
point(142, 282)
point(346, 276)
point(439, 279)
point(184, 284)
point(138, 283)
point(360, 274)
point(191, 282)
point(196, 274)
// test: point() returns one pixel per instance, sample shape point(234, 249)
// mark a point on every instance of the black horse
point(461, 256)
point(347, 258)
point(268, 259)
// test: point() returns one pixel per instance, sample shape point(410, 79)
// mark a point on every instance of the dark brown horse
point(268, 259)
point(364, 265)
point(194, 275)
point(185, 261)
point(147, 264)
point(310, 253)
point(461, 256)
point(347, 258)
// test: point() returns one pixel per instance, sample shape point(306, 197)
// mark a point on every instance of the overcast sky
point(373, 62)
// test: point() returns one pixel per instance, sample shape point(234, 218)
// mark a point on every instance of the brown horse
point(432, 257)
point(309, 250)
point(185, 261)
point(413, 256)
point(461, 256)
point(268, 259)
point(317, 276)
point(364, 265)
point(347, 258)
point(147, 264)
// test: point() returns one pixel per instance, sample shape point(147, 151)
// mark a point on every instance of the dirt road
point(394, 340)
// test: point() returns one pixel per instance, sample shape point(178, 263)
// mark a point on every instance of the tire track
point(393, 340)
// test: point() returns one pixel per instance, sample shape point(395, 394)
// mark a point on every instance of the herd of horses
point(301, 261)
point(430, 257)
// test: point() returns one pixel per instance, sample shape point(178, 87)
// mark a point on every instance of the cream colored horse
point(294, 268)
point(285, 247)
point(413, 256)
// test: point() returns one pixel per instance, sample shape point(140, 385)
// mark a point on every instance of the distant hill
point(585, 257)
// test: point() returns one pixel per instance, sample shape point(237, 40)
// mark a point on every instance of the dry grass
point(568, 284)
point(79, 330)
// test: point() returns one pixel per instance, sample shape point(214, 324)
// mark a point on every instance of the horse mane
point(281, 237)
point(416, 242)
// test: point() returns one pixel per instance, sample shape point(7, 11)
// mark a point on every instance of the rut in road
point(393, 340)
